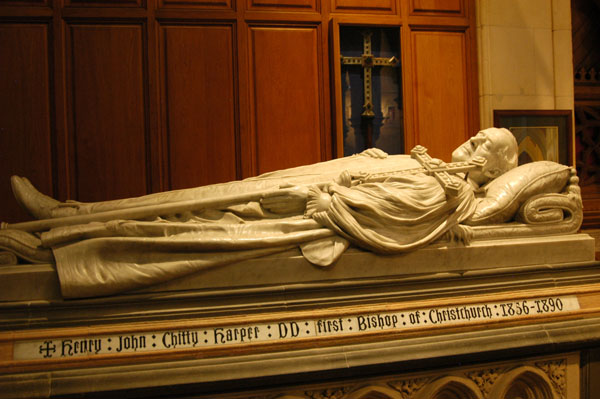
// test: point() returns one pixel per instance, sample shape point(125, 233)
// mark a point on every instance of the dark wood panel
point(205, 4)
point(361, 6)
point(287, 5)
point(25, 112)
point(105, 3)
point(26, 3)
point(107, 105)
point(437, 6)
point(199, 101)
point(585, 34)
point(440, 87)
point(286, 90)
point(587, 148)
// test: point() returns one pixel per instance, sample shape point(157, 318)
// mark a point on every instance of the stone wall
point(525, 55)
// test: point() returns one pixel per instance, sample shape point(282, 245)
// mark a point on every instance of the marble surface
point(356, 264)
point(40, 282)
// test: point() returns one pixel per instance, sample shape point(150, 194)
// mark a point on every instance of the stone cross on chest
point(368, 61)
point(441, 170)
point(430, 166)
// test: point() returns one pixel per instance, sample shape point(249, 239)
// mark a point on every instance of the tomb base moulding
point(194, 337)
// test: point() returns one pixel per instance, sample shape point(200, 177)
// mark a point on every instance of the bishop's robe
point(401, 214)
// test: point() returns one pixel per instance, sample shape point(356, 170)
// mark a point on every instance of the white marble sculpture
point(380, 203)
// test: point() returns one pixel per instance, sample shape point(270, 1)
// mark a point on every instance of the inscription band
point(290, 330)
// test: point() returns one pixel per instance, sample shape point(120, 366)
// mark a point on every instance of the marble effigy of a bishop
point(372, 201)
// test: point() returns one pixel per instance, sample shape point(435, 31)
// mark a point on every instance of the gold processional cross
point(368, 61)
point(432, 167)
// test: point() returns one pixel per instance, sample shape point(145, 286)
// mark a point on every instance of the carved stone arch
point(524, 382)
point(450, 387)
point(374, 392)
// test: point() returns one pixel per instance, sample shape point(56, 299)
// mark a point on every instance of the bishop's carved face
point(497, 146)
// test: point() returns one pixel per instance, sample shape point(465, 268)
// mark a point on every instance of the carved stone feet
point(37, 204)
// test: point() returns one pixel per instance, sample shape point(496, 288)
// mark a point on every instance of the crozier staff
point(401, 213)
point(495, 146)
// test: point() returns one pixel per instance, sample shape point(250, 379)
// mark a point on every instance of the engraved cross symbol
point(368, 61)
point(441, 171)
point(47, 347)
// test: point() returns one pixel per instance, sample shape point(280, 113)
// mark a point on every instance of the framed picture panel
point(541, 134)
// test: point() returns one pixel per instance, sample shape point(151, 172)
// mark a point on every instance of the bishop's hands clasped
point(291, 199)
point(296, 200)
point(288, 199)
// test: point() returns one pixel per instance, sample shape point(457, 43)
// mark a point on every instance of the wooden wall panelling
point(336, 89)
point(201, 4)
point(106, 98)
point(586, 62)
point(440, 87)
point(63, 188)
point(155, 160)
point(246, 143)
point(585, 36)
point(327, 132)
point(27, 3)
point(199, 103)
point(439, 7)
point(287, 5)
point(471, 63)
point(25, 111)
point(105, 3)
point(361, 6)
point(587, 155)
point(285, 84)
point(406, 58)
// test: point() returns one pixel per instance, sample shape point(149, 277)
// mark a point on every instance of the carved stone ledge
point(538, 378)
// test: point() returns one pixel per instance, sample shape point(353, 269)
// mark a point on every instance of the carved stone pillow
point(508, 192)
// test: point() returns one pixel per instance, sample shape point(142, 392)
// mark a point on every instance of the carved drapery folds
point(537, 379)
